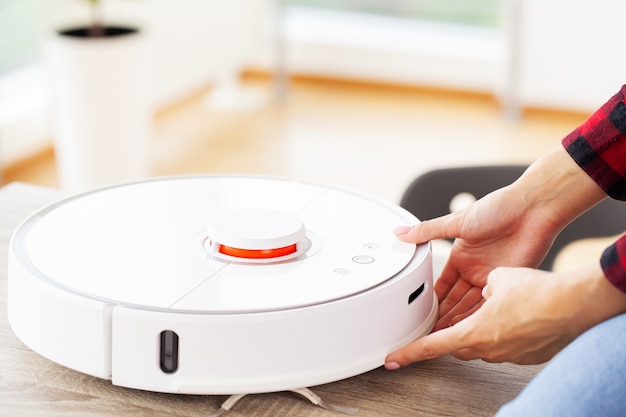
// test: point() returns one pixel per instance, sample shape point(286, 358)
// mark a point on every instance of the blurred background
point(363, 94)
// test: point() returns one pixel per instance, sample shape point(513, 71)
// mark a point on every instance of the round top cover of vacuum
point(148, 245)
point(185, 252)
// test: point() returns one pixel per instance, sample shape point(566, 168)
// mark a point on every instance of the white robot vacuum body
point(218, 284)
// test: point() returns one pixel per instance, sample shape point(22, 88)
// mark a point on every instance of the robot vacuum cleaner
point(218, 284)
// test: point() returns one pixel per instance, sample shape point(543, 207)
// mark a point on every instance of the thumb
point(431, 346)
point(439, 228)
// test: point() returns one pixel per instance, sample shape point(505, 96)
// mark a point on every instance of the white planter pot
point(102, 108)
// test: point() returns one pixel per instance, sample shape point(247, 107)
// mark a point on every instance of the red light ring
point(257, 253)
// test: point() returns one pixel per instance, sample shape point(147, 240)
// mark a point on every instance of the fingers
point(438, 228)
point(459, 301)
point(464, 339)
point(454, 320)
point(456, 337)
point(486, 292)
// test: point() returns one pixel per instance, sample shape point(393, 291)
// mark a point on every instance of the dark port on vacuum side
point(416, 293)
point(169, 351)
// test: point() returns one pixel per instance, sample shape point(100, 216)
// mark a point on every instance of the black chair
point(430, 194)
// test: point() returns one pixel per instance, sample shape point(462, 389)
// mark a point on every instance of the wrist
point(590, 296)
point(555, 185)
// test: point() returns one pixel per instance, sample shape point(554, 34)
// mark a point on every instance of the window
point(23, 96)
point(19, 42)
point(473, 12)
point(440, 43)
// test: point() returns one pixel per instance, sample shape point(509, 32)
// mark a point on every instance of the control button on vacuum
point(363, 259)
point(169, 351)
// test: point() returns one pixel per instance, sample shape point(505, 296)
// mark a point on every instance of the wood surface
point(32, 386)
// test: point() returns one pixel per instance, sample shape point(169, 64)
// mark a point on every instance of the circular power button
point(363, 259)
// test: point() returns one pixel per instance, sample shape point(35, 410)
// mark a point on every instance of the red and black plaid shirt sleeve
point(599, 147)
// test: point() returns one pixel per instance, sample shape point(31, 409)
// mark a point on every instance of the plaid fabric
point(599, 147)
point(613, 262)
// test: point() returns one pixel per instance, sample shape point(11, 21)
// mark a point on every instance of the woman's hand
point(514, 226)
point(527, 317)
point(513, 314)
point(497, 230)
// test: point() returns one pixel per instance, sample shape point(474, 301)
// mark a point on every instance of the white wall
point(566, 53)
point(569, 53)
point(572, 52)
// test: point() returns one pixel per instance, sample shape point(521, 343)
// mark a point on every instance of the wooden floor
point(366, 137)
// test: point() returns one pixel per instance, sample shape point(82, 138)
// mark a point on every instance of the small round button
point(363, 259)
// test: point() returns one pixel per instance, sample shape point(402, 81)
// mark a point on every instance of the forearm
point(556, 186)
point(555, 183)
